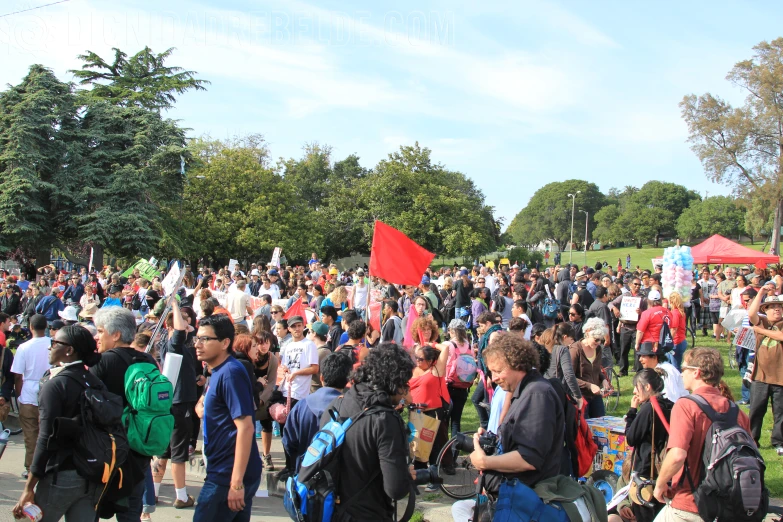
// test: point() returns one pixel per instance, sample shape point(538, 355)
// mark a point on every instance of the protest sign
point(231, 265)
point(276, 257)
point(628, 307)
point(171, 279)
point(147, 270)
point(746, 338)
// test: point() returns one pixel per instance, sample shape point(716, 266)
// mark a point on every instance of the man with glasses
point(767, 376)
point(227, 410)
point(628, 323)
point(298, 362)
point(701, 374)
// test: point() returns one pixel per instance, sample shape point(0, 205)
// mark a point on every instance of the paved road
point(436, 507)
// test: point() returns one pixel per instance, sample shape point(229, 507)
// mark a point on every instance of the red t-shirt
point(689, 427)
point(650, 324)
point(677, 320)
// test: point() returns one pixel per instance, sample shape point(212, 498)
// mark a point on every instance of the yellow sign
point(490, 264)
point(504, 261)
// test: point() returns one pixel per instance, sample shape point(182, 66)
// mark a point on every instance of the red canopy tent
point(719, 250)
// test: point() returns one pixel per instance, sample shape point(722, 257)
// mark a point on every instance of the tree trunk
point(97, 257)
point(43, 256)
point(775, 245)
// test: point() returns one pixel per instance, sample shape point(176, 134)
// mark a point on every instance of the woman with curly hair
point(339, 299)
point(374, 464)
point(428, 385)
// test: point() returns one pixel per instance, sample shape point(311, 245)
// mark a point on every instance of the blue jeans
point(212, 503)
point(679, 350)
point(742, 361)
point(595, 408)
point(148, 499)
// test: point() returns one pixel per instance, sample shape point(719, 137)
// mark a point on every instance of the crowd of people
point(269, 351)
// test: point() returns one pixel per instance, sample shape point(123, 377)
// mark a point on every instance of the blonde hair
point(675, 301)
point(448, 283)
point(338, 296)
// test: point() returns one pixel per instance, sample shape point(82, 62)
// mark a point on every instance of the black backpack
point(732, 479)
point(136, 301)
point(102, 446)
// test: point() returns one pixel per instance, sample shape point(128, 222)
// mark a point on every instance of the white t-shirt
point(31, 362)
point(673, 387)
point(272, 291)
point(298, 355)
point(236, 304)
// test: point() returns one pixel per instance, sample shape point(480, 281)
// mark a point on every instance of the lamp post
point(587, 218)
point(571, 243)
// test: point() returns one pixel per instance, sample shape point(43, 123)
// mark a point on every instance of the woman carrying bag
point(265, 366)
point(647, 431)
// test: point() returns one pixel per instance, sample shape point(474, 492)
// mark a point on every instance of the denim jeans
point(595, 408)
point(213, 505)
point(66, 494)
point(742, 361)
point(679, 350)
point(148, 500)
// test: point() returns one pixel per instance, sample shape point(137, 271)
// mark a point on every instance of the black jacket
point(375, 447)
point(9, 304)
point(59, 397)
point(638, 433)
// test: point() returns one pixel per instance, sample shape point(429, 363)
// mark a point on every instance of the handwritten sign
point(231, 265)
point(628, 307)
point(170, 281)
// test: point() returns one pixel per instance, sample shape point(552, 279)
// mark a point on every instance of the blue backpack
point(311, 495)
point(550, 306)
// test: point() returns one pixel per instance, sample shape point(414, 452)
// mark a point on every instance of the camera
point(427, 476)
point(488, 442)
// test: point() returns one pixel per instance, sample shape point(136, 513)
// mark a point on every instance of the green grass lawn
point(774, 473)
point(639, 256)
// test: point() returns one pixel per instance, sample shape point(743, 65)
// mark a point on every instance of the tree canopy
point(741, 146)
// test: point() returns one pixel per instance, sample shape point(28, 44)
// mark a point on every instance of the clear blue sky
point(513, 94)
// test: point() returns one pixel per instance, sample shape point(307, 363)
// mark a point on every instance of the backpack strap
point(729, 416)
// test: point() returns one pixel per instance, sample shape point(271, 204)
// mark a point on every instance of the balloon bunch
point(677, 271)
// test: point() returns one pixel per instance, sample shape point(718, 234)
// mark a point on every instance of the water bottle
point(258, 429)
point(276, 428)
point(4, 440)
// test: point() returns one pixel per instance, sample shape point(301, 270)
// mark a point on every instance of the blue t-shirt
point(229, 396)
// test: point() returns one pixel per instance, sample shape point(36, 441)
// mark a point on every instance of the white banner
point(231, 265)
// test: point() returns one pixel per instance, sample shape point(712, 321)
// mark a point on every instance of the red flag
point(396, 258)
point(296, 309)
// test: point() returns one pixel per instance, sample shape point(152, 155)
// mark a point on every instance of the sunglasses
point(636, 284)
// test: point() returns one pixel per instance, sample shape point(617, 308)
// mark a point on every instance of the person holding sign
point(627, 309)
point(768, 367)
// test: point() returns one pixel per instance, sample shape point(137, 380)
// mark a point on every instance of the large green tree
point(742, 147)
point(547, 216)
point(714, 215)
point(38, 135)
point(652, 212)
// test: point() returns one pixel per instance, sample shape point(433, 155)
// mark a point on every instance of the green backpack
point(147, 417)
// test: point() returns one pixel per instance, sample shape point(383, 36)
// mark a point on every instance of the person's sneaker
point(25, 474)
point(146, 517)
point(268, 464)
point(742, 403)
point(178, 504)
point(448, 470)
point(779, 450)
point(431, 488)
